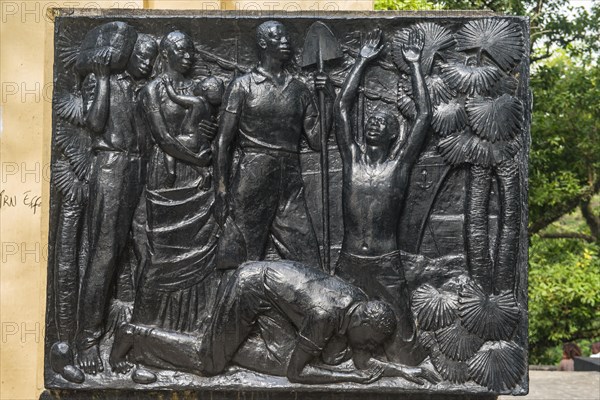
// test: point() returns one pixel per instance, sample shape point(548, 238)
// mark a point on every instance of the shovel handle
point(324, 171)
point(325, 185)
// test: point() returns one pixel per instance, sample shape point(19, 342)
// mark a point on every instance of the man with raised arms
point(375, 179)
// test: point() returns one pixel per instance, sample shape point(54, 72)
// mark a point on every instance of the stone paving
point(555, 385)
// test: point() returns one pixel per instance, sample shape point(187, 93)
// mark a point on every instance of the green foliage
point(564, 301)
point(516, 7)
point(404, 5)
point(565, 161)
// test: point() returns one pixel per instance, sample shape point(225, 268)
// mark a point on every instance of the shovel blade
point(320, 40)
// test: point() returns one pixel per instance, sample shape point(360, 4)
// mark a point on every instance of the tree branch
point(554, 214)
point(568, 235)
point(539, 58)
point(591, 219)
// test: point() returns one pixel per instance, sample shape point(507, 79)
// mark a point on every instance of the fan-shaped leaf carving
point(469, 78)
point(427, 339)
point(68, 184)
point(449, 117)
point(500, 39)
point(434, 309)
point(76, 145)
point(439, 91)
point(499, 366)
point(466, 147)
point(495, 119)
point(437, 38)
point(451, 370)
point(457, 343)
point(80, 160)
point(67, 49)
point(491, 317)
point(69, 108)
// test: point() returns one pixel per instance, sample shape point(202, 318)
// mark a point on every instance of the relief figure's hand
point(412, 50)
point(372, 46)
point(369, 375)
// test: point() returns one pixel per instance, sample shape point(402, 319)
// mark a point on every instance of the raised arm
point(97, 113)
point(347, 96)
point(418, 131)
point(161, 134)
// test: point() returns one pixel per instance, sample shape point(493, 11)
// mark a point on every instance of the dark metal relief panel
point(289, 203)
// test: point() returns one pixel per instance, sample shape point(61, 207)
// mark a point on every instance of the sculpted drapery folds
point(190, 177)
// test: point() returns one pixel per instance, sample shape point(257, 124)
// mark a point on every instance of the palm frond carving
point(491, 317)
point(500, 39)
point(457, 343)
point(451, 370)
point(434, 309)
point(466, 147)
point(69, 107)
point(439, 91)
point(76, 146)
point(67, 49)
point(495, 119)
point(449, 117)
point(470, 78)
point(68, 183)
point(498, 365)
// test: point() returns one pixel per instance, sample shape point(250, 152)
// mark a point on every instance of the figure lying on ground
point(280, 318)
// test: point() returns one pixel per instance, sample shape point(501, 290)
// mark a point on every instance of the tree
point(563, 294)
point(565, 156)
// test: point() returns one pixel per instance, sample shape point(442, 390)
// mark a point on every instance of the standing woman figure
point(178, 285)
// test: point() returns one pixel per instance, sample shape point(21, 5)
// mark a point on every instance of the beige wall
point(25, 108)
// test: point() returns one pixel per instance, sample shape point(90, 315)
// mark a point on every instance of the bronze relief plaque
point(289, 202)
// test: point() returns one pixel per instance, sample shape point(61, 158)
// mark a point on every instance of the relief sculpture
point(328, 203)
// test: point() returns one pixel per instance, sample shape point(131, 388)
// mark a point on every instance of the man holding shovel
point(266, 112)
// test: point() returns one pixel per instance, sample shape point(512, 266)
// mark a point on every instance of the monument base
point(243, 395)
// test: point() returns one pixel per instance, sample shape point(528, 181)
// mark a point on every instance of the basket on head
point(114, 38)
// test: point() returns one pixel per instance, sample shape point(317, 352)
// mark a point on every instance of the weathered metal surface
point(188, 216)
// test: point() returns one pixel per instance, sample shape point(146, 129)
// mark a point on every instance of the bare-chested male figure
point(374, 186)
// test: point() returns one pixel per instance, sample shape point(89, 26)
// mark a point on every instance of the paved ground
point(554, 385)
